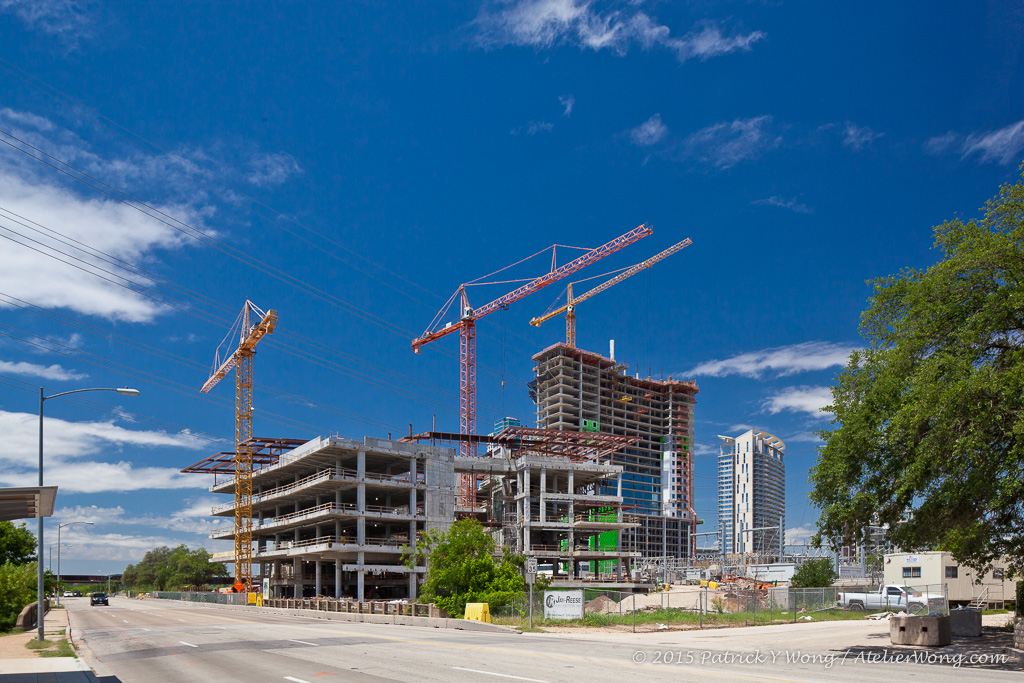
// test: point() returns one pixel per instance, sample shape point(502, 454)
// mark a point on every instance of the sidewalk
point(17, 665)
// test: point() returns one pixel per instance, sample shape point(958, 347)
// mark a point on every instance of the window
point(952, 572)
point(911, 572)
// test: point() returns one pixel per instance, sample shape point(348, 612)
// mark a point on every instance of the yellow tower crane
point(570, 307)
point(252, 325)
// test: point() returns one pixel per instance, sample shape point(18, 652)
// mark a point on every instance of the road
point(152, 641)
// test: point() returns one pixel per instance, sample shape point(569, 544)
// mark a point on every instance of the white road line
point(189, 644)
point(297, 680)
point(491, 673)
point(125, 620)
point(303, 642)
point(145, 629)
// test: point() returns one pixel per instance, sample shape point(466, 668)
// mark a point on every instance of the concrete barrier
point(27, 617)
point(914, 630)
point(965, 622)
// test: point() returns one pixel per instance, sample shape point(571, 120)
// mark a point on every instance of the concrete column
point(412, 585)
point(361, 530)
point(361, 465)
point(360, 576)
point(318, 569)
point(297, 567)
point(337, 530)
point(543, 489)
point(337, 578)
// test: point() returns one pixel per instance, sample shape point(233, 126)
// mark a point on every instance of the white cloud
point(533, 128)
point(567, 101)
point(55, 17)
point(739, 428)
point(69, 443)
point(51, 372)
point(728, 143)
point(272, 169)
point(791, 204)
point(544, 24)
point(858, 137)
point(1002, 146)
point(800, 535)
point(809, 400)
point(783, 360)
point(650, 132)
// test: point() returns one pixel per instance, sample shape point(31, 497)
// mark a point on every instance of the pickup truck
point(892, 597)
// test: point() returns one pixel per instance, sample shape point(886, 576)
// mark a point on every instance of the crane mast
point(570, 307)
point(466, 326)
point(253, 325)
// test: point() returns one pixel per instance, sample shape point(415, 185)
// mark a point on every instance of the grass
point(52, 648)
point(678, 617)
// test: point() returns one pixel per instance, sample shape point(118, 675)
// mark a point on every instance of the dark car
point(99, 599)
point(78, 594)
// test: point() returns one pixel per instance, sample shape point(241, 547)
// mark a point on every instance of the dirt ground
point(13, 646)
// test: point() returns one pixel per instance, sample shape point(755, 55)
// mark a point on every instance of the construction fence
point(704, 607)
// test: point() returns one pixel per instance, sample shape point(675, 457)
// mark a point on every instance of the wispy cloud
point(858, 137)
point(544, 24)
point(533, 128)
point(728, 143)
point(51, 372)
point(791, 204)
point(1002, 146)
point(650, 132)
point(809, 400)
point(67, 19)
point(271, 169)
point(800, 535)
point(781, 360)
point(568, 102)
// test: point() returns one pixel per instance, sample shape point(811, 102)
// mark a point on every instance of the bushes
point(17, 589)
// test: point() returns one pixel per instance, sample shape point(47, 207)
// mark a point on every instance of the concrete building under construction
point(580, 391)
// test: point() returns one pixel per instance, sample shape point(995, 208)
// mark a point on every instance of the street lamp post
point(40, 596)
point(59, 527)
point(50, 556)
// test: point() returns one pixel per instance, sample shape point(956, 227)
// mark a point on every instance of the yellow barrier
point(478, 611)
point(712, 585)
point(703, 583)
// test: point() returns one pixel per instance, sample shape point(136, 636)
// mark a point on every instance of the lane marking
point(296, 680)
point(125, 620)
point(189, 644)
point(303, 642)
point(491, 673)
point(181, 620)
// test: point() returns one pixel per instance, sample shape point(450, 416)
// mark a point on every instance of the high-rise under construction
point(580, 391)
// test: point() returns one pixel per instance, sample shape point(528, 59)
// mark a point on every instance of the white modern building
point(751, 494)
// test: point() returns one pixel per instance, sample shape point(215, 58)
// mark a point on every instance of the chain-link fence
point(215, 598)
point(727, 604)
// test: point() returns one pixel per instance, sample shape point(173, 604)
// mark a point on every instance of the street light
point(59, 527)
point(40, 596)
point(52, 546)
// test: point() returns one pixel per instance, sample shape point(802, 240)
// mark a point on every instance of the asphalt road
point(152, 641)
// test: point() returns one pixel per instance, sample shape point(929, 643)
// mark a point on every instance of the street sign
point(531, 565)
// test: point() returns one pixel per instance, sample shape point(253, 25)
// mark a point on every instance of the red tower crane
point(466, 327)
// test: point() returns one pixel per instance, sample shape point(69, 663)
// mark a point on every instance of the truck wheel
point(856, 607)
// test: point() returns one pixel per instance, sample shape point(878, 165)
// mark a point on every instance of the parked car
point(99, 599)
point(78, 594)
point(68, 594)
point(891, 597)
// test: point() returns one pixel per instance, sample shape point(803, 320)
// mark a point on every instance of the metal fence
point(214, 598)
point(724, 606)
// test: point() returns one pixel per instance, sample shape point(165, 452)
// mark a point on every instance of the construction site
point(600, 492)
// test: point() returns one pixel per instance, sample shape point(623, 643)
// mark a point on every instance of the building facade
point(752, 494)
point(579, 391)
point(963, 585)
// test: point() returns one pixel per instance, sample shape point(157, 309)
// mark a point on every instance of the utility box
point(965, 622)
point(925, 631)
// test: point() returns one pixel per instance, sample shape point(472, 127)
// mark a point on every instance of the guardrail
point(347, 605)
point(393, 542)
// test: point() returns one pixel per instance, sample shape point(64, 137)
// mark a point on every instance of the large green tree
point(815, 573)
point(165, 568)
point(17, 543)
point(929, 435)
point(461, 568)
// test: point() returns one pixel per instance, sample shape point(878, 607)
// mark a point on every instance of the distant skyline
point(350, 164)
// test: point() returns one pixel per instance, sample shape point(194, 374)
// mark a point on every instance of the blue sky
point(349, 164)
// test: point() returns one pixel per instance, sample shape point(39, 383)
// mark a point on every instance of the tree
point(163, 568)
point(461, 568)
point(815, 573)
point(17, 589)
point(17, 543)
point(930, 436)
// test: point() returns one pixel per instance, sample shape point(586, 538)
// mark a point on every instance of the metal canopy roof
point(27, 502)
point(264, 452)
point(577, 446)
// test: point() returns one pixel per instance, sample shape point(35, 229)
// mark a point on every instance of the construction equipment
point(466, 326)
point(570, 307)
point(250, 333)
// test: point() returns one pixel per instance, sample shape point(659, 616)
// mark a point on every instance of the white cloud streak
point(568, 102)
point(650, 132)
point(533, 128)
point(800, 535)
point(858, 137)
point(63, 18)
point(781, 360)
point(1003, 146)
point(50, 372)
point(779, 202)
point(726, 144)
point(808, 400)
point(269, 169)
point(544, 24)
